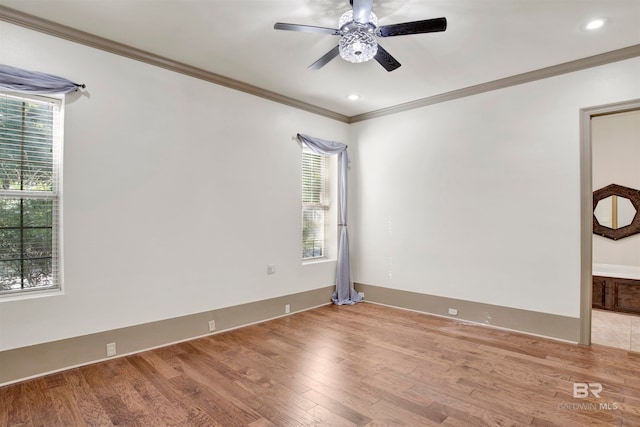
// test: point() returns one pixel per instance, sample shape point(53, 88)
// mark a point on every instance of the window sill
point(31, 295)
point(318, 261)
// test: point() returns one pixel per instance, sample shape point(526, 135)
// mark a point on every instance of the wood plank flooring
point(363, 365)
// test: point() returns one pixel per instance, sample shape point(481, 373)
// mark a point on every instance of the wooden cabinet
point(612, 293)
point(599, 293)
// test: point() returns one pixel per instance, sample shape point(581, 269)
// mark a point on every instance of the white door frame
point(586, 208)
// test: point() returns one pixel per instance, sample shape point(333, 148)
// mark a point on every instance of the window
point(30, 147)
point(315, 204)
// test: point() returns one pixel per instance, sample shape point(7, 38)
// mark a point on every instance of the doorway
point(586, 201)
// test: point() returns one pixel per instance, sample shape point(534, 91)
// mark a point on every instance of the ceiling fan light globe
point(358, 46)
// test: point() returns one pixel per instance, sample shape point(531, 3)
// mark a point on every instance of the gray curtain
point(345, 292)
point(34, 82)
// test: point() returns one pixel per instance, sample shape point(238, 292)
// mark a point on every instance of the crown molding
point(531, 76)
point(62, 31)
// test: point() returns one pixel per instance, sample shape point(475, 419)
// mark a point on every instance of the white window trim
point(331, 215)
point(57, 220)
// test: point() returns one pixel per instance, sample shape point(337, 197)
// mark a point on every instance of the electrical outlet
point(111, 349)
point(287, 308)
point(453, 311)
point(361, 294)
point(212, 325)
point(271, 269)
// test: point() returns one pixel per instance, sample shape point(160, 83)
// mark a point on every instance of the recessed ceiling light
point(595, 24)
point(353, 97)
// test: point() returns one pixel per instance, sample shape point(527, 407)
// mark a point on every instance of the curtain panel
point(34, 82)
point(345, 293)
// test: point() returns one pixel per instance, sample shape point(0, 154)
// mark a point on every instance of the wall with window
point(177, 194)
point(478, 199)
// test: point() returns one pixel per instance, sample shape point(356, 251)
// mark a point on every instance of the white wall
point(177, 194)
point(616, 160)
point(478, 199)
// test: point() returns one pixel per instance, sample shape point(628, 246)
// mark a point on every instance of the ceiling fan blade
point(361, 10)
point(385, 59)
point(416, 27)
point(306, 28)
point(325, 58)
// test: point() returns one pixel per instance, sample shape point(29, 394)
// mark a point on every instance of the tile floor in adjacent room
point(615, 329)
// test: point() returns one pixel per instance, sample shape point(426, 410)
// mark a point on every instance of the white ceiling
point(486, 40)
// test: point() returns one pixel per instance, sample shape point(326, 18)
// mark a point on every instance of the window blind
point(315, 204)
point(30, 146)
point(314, 178)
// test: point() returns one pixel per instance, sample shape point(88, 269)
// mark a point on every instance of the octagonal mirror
point(616, 211)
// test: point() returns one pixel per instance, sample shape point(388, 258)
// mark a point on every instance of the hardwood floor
point(364, 365)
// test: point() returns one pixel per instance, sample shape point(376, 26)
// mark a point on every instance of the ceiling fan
point(358, 29)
